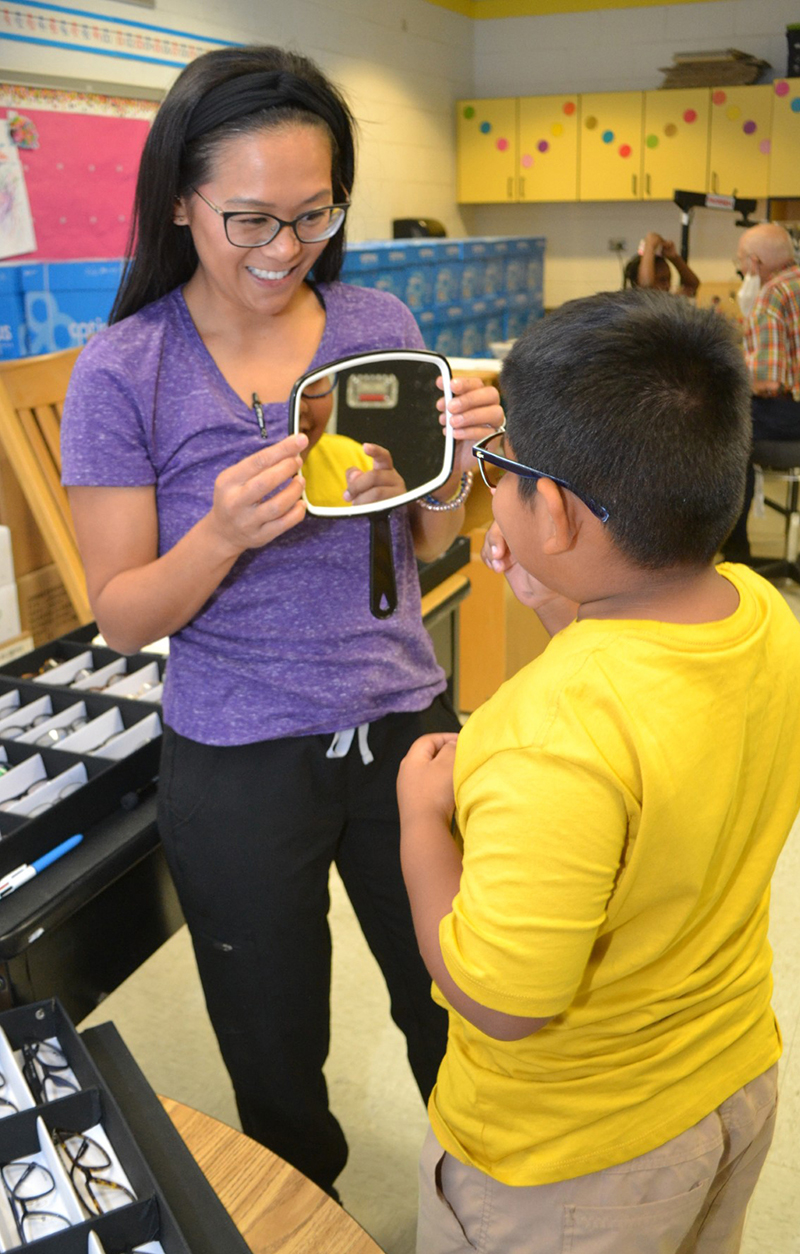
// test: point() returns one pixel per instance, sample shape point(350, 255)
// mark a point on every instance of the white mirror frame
point(371, 359)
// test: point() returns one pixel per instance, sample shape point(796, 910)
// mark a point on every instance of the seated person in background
point(601, 948)
point(771, 309)
point(650, 268)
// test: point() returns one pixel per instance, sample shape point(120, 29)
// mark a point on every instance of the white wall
point(615, 50)
point(401, 64)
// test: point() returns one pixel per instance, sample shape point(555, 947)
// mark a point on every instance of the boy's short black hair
point(642, 402)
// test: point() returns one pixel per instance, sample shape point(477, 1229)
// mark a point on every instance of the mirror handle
point(382, 585)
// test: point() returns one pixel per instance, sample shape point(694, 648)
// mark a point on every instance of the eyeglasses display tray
point(89, 1161)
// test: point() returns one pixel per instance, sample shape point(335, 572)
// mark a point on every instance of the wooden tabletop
point(276, 1209)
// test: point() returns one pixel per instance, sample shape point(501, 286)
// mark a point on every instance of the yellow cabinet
point(740, 140)
point(548, 148)
point(784, 157)
point(675, 142)
point(611, 146)
point(487, 150)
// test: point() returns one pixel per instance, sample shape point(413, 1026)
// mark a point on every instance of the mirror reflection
point(373, 430)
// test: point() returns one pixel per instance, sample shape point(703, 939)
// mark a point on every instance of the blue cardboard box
point(374, 255)
point(66, 302)
point(12, 313)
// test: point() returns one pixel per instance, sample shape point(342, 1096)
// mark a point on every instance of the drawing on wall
point(16, 224)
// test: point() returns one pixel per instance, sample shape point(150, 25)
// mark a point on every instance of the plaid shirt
point(772, 333)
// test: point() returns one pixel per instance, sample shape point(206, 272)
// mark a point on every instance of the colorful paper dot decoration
point(795, 105)
point(625, 150)
point(670, 130)
point(543, 145)
point(690, 116)
point(569, 108)
point(469, 112)
point(486, 127)
point(781, 88)
point(719, 97)
point(765, 147)
point(556, 129)
point(734, 113)
point(608, 137)
point(652, 141)
point(502, 144)
point(749, 128)
point(527, 160)
point(590, 123)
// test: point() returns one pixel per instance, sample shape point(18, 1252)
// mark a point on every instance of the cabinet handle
point(647, 184)
point(633, 183)
point(510, 192)
point(522, 187)
point(714, 181)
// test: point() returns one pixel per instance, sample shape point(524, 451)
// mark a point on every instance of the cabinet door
point(740, 140)
point(784, 157)
point(675, 142)
point(487, 150)
point(611, 146)
point(548, 147)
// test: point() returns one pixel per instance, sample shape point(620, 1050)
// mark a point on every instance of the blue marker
point(27, 871)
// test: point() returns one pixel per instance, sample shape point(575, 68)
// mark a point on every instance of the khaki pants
point(686, 1197)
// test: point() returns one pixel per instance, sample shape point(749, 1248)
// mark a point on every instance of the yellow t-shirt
point(623, 801)
point(324, 468)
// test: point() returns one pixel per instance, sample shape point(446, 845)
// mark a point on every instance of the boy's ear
point(560, 521)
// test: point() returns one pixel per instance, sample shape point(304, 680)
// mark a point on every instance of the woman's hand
point(475, 411)
point(554, 610)
point(259, 497)
point(381, 483)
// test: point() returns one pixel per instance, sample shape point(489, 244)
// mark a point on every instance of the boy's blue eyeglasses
point(493, 464)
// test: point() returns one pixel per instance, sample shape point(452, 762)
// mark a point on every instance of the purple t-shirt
point(286, 645)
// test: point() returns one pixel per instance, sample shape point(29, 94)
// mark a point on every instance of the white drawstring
point(342, 740)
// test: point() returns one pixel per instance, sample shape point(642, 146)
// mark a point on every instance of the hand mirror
point(375, 442)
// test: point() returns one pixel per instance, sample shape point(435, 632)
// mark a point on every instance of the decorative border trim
point(60, 100)
point(489, 9)
point(56, 26)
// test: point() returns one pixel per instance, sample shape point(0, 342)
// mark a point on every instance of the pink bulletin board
point(80, 157)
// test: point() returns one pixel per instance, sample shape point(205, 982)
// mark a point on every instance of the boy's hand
point(554, 610)
point(425, 779)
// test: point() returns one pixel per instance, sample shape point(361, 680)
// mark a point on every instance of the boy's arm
point(432, 872)
point(687, 276)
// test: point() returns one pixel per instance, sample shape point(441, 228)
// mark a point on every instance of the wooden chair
point(32, 392)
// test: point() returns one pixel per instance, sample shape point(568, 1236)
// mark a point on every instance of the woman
point(186, 498)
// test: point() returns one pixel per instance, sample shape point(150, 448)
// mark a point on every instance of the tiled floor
point(161, 1015)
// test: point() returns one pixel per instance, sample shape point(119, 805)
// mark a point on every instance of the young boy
point(609, 1085)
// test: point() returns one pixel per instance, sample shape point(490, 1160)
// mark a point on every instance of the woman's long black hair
point(161, 255)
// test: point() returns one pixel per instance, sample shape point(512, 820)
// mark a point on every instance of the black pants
point(250, 833)
point(774, 418)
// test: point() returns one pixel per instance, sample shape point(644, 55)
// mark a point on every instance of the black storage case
point(176, 1205)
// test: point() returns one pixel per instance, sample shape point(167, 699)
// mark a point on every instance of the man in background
point(770, 302)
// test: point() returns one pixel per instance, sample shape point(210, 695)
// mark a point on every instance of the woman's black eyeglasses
point(493, 464)
point(87, 1161)
point(253, 230)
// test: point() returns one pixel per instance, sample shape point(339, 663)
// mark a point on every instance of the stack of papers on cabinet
point(725, 68)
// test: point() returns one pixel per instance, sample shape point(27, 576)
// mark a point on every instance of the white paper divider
point(63, 674)
point(21, 776)
point(9, 701)
point(87, 738)
point(100, 677)
point(94, 1245)
point(153, 695)
point(24, 715)
point(3, 754)
point(63, 719)
point(52, 790)
point(130, 684)
point(16, 1089)
point(68, 1203)
point(136, 736)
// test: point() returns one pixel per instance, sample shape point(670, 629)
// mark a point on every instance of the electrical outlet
point(617, 246)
